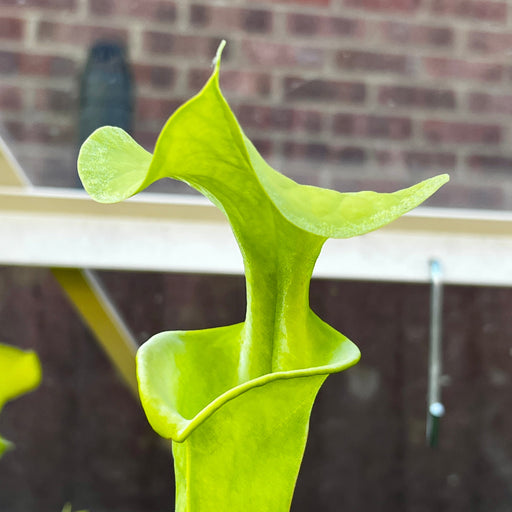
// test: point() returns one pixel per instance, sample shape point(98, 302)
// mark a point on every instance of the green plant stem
point(278, 276)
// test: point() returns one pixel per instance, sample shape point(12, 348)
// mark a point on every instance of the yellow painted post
point(94, 306)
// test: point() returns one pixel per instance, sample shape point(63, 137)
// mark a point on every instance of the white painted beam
point(64, 228)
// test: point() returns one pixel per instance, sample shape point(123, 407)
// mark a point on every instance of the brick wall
point(347, 94)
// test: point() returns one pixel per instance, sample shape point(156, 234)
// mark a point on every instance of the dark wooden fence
point(82, 438)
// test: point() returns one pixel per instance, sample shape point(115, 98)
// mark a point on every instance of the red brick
point(416, 97)
point(11, 98)
point(421, 35)
point(158, 77)
point(306, 151)
point(102, 7)
point(36, 65)
point(9, 62)
point(11, 28)
point(146, 138)
point(61, 5)
point(229, 18)
point(322, 26)
point(200, 15)
point(238, 83)
point(420, 161)
point(246, 83)
point(461, 133)
point(282, 55)
point(251, 116)
point(481, 10)
point(159, 42)
point(490, 42)
point(317, 151)
point(78, 34)
point(353, 60)
point(404, 6)
point(40, 132)
point(308, 121)
point(265, 147)
point(317, 90)
point(55, 100)
point(275, 118)
point(299, 171)
point(315, 3)
point(389, 157)
point(256, 21)
point(46, 65)
point(417, 161)
point(439, 67)
point(490, 103)
point(158, 10)
point(382, 127)
point(456, 195)
point(155, 109)
point(490, 163)
point(183, 45)
point(349, 155)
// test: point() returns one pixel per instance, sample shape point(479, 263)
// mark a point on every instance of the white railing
point(154, 232)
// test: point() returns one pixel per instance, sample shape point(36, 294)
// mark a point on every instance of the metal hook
point(435, 407)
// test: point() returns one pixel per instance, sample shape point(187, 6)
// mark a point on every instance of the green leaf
point(236, 400)
point(68, 508)
point(5, 446)
point(177, 401)
point(20, 372)
point(253, 433)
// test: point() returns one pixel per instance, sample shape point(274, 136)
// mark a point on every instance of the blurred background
point(348, 94)
point(345, 94)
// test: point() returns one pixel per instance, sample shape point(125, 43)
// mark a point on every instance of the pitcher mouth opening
point(161, 404)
